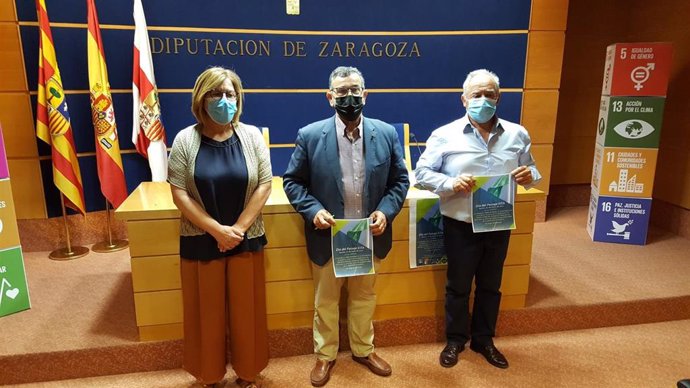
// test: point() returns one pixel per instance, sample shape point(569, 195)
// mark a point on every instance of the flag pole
point(70, 252)
point(110, 245)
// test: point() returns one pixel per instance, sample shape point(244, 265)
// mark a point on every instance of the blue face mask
point(221, 110)
point(481, 109)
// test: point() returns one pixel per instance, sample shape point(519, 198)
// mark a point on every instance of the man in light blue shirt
point(477, 144)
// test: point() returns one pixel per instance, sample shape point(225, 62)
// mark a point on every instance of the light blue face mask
point(481, 109)
point(222, 110)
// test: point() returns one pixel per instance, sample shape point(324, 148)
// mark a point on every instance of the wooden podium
point(153, 230)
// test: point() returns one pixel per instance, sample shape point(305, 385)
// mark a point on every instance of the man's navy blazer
point(313, 181)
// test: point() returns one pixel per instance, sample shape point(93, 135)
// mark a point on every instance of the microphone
point(419, 150)
point(416, 143)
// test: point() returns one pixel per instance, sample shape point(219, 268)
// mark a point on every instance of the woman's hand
point(228, 237)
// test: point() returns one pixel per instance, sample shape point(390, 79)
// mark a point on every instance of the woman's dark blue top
point(220, 174)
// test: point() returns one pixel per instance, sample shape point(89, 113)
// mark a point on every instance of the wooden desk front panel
point(401, 291)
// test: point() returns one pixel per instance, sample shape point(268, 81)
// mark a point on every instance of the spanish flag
point(52, 119)
point(110, 171)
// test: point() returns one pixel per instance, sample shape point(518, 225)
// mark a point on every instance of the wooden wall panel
point(573, 162)
point(401, 225)
point(162, 332)
point(539, 112)
point(27, 188)
point(289, 296)
point(156, 273)
point(7, 13)
point(519, 250)
point(385, 312)
point(544, 59)
point(287, 264)
point(543, 156)
point(670, 185)
point(158, 308)
point(154, 238)
point(18, 126)
point(422, 286)
point(12, 77)
point(549, 15)
point(524, 217)
point(284, 230)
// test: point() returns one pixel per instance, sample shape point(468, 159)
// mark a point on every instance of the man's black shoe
point(449, 354)
point(492, 355)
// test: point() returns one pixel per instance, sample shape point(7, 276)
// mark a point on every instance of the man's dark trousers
point(478, 255)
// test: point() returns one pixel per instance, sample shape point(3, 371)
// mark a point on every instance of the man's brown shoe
point(375, 363)
point(321, 372)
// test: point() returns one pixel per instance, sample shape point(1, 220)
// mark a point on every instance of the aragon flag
point(52, 119)
point(110, 171)
point(148, 134)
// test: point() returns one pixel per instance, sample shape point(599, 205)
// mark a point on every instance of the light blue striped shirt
point(458, 148)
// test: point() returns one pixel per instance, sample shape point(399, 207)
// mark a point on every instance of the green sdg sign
point(631, 122)
point(14, 293)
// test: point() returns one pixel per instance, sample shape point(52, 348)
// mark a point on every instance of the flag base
point(64, 254)
point(106, 246)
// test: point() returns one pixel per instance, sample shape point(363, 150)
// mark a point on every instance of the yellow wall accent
point(539, 111)
point(7, 13)
point(17, 125)
point(544, 59)
point(545, 46)
point(12, 76)
point(27, 188)
point(543, 154)
point(549, 15)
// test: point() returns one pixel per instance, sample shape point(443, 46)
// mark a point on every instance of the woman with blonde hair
point(220, 175)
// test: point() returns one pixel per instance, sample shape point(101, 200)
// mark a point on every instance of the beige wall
point(593, 25)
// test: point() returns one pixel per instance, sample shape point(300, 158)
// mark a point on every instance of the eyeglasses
point(342, 92)
point(217, 94)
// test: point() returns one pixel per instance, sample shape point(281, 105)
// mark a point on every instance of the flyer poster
point(351, 242)
point(492, 203)
point(426, 233)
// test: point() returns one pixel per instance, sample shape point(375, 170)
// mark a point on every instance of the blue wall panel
point(353, 15)
point(450, 56)
point(443, 40)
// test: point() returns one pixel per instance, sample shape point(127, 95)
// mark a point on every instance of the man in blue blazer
point(345, 167)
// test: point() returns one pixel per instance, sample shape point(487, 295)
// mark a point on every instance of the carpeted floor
point(569, 269)
point(88, 302)
point(649, 356)
point(85, 306)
